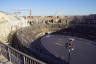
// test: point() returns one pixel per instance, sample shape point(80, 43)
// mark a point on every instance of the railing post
point(9, 54)
point(0, 49)
point(24, 59)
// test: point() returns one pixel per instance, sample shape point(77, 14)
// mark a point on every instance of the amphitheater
point(46, 40)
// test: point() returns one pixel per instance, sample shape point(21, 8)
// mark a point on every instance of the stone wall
point(9, 23)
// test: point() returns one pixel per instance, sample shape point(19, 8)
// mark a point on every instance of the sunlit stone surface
point(9, 23)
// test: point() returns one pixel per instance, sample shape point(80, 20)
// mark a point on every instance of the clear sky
point(51, 7)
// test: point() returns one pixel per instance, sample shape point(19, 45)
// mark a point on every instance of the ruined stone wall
point(9, 23)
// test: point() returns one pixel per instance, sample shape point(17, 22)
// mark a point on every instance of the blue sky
point(51, 7)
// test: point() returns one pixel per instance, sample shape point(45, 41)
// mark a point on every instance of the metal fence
point(17, 57)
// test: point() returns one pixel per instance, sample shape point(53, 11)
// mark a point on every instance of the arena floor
point(82, 51)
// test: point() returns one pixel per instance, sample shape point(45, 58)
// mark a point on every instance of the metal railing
point(17, 57)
